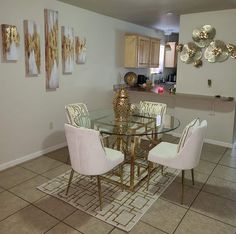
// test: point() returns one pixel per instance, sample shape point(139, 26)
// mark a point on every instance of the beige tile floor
point(209, 206)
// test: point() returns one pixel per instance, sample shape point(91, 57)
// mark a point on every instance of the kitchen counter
point(167, 93)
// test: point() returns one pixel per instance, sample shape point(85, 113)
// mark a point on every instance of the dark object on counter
point(131, 79)
point(227, 99)
point(172, 90)
point(171, 77)
point(142, 79)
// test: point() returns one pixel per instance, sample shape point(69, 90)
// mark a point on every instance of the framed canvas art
point(67, 43)
point(80, 46)
point(32, 48)
point(10, 43)
point(51, 49)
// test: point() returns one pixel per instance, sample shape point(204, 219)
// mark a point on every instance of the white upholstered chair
point(153, 109)
point(77, 115)
point(88, 156)
point(183, 156)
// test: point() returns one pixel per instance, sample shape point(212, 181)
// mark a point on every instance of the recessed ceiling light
point(169, 13)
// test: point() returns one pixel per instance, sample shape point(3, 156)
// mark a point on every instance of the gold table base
point(135, 177)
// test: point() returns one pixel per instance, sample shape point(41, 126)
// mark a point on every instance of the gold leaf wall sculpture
point(67, 49)
point(203, 39)
point(51, 48)
point(204, 35)
point(10, 43)
point(32, 48)
point(216, 52)
point(232, 50)
point(190, 53)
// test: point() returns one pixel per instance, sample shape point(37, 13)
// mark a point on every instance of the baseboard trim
point(37, 154)
point(210, 141)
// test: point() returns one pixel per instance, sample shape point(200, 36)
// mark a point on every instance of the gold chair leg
point(106, 141)
point(192, 172)
point(99, 192)
point(149, 172)
point(121, 177)
point(162, 169)
point(138, 171)
point(182, 194)
point(68, 160)
point(69, 182)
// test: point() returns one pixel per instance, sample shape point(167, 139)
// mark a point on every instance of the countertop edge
point(176, 95)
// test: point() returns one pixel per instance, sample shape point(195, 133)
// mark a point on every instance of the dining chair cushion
point(187, 132)
point(165, 151)
point(188, 156)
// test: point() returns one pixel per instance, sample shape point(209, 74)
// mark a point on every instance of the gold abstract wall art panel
point(51, 48)
point(32, 48)
point(10, 43)
point(80, 50)
point(67, 49)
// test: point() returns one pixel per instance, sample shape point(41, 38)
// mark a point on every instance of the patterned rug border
point(154, 192)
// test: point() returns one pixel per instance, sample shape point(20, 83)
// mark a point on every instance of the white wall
point(194, 80)
point(220, 115)
point(27, 108)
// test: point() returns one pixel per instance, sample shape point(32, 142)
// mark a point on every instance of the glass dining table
point(134, 136)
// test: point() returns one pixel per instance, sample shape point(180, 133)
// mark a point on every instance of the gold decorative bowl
point(131, 78)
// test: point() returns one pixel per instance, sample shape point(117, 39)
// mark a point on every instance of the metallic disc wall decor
point(216, 52)
point(190, 53)
point(204, 35)
point(197, 63)
point(179, 47)
point(232, 50)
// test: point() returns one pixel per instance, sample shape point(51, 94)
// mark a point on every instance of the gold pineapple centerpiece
point(121, 104)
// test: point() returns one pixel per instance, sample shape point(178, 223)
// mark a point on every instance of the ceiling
point(152, 13)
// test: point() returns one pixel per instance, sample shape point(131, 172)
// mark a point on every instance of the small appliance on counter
point(142, 79)
point(171, 77)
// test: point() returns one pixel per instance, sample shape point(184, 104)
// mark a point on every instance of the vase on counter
point(121, 104)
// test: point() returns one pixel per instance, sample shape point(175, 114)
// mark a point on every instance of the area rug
point(120, 209)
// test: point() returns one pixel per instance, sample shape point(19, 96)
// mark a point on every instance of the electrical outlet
point(209, 83)
point(51, 125)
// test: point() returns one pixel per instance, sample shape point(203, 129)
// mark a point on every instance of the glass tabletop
point(137, 124)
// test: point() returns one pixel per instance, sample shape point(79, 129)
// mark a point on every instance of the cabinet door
point(131, 51)
point(143, 51)
point(171, 56)
point(154, 53)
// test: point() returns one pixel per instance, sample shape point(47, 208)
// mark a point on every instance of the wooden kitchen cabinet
point(154, 53)
point(171, 56)
point(141, 51)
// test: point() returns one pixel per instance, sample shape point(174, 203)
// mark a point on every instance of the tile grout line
point(62, 221)
point(32, 203)
point(154, 227)
point(7, 189)
point(194, 211)
point(199, 193)
point(216, 164)
point(112, 230)
point(15, 212)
